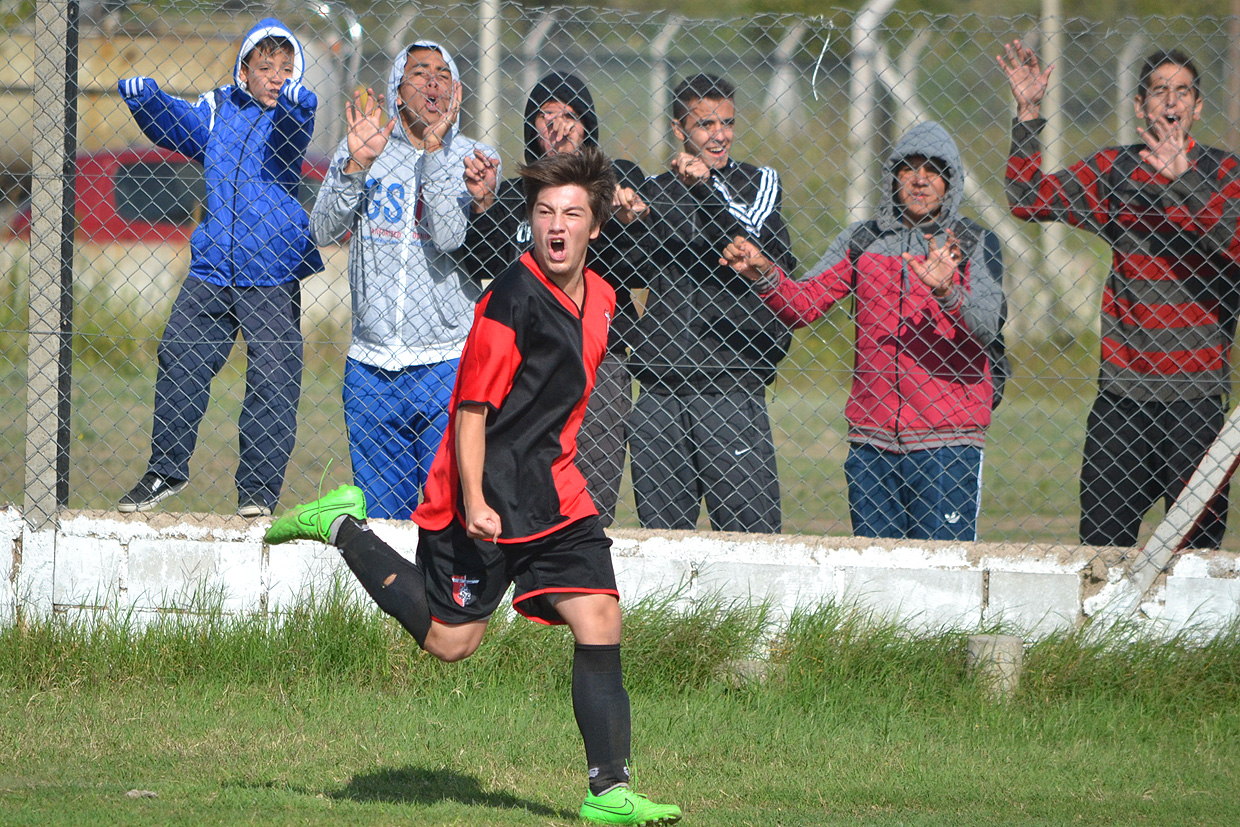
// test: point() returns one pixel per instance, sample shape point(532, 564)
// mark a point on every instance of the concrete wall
point(146, 564)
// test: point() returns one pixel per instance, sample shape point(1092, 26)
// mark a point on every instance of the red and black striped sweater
point(1169, 305)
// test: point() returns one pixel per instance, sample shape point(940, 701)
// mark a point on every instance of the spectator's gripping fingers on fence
point(691, 169)
point(367, 133)
point(1026, 78)
point(743, 256)
point(937, 269)
point(481, 179)
point(627, 205)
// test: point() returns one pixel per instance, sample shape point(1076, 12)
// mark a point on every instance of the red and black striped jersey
point(1170, 301)
point(530, 359)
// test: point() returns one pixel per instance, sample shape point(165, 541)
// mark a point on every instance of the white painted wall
point(143, 564)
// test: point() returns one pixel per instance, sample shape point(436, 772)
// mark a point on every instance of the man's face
point(1169, 99)
point(559, 130)
point(707, 130)
point(920, 187)
point(264, 74)
point(563, 225)
point(426, 89)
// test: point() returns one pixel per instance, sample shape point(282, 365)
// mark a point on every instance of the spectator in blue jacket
point(246, 259)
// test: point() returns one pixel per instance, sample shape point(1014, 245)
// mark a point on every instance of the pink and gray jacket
point(921, 375)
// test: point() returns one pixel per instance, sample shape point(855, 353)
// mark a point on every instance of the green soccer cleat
point(620, 805)
point(313, 521)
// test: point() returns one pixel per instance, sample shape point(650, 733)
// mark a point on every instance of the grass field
point(330, 716)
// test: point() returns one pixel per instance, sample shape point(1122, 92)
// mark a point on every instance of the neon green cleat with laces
point(621, 805)
point(313, 521)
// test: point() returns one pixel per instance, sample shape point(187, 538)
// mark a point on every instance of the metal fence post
point(657, 131)
point(50, 345)
point(489, 58)
point(862, 88)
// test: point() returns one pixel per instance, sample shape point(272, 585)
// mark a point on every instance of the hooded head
point(939, 192)
point(268, 27)
point(397, 74)
point(563, 88)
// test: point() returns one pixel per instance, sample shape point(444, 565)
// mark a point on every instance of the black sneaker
point(151, 490)
point(250, 506)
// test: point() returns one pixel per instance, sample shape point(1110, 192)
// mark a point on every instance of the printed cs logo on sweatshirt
point(386, 203)
point(462, 594)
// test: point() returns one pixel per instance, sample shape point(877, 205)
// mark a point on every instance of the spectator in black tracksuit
point(707, 346)
point(560, 118)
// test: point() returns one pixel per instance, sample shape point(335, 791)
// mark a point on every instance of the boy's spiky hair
point(699, 87)
point(587, 168)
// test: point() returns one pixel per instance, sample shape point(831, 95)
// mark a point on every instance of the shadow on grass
point(417, 785)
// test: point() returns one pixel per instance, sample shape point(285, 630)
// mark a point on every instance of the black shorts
point(466, 578)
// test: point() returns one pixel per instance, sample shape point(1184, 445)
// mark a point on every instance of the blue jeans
point(396, 420)
point(922, 495)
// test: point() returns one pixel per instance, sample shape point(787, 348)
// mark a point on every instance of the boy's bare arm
point(481, 521)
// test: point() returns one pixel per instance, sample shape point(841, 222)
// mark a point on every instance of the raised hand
point(367, 134)
point(743, 256)
point(1166, 149)
point(481, 179)
point(627, 205)
point(436, 133)
point(937, 269)
point(134, 87)
point(1026, 78)
point(294, 92)
point(691, 169)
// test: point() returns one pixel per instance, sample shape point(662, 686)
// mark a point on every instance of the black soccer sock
point(601, 707)
point(398, 586)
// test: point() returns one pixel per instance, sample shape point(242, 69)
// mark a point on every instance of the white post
point(782, 102)
point(659, 114)
point(49, 358)
point(1126, 89)
point(530, 65)
point(997, 661)
point(1054, 261)
point(861, 113)
point(489, 81)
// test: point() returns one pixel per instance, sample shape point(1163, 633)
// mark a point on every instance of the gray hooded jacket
point(412, 303)
point(922, 376)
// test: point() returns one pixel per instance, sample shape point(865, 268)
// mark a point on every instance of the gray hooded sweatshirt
point(922, 377)
point(412, 303)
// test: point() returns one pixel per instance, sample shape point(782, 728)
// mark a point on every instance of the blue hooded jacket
point(254, 231)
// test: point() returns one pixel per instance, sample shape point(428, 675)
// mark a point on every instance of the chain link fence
point(822, 101)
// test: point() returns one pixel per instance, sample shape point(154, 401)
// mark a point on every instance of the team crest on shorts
point(462, 594)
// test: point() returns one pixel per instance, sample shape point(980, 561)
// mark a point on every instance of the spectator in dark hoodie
point(560, 119)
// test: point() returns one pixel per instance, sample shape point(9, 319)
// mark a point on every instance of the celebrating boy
point(505, 503)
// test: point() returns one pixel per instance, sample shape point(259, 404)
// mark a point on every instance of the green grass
point(329, 715)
